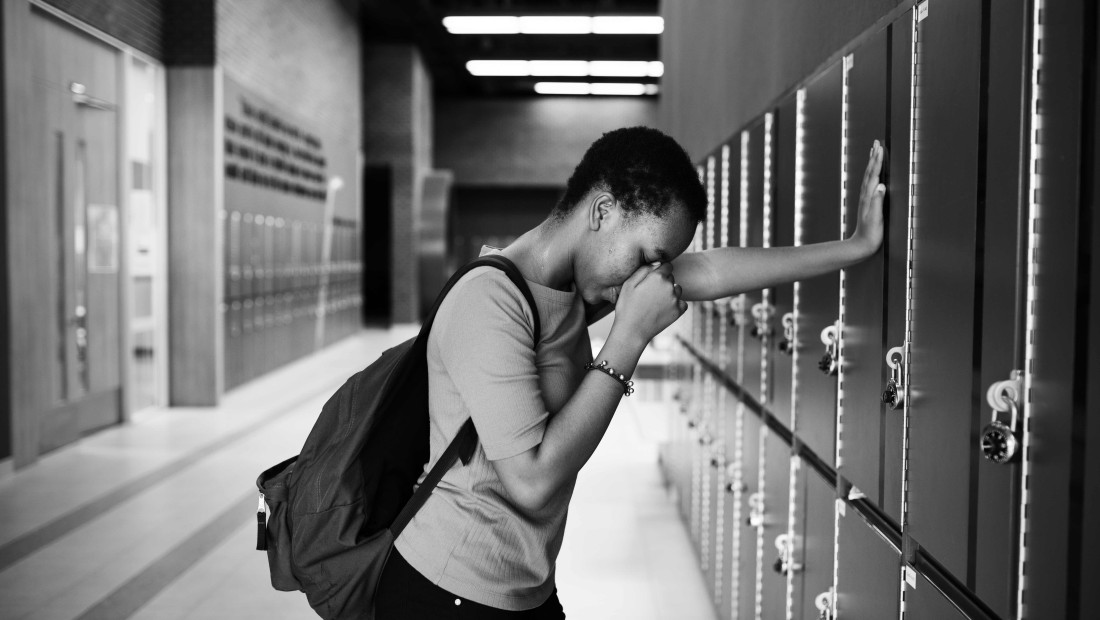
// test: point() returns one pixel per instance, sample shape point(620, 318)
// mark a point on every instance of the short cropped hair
point(643, 168)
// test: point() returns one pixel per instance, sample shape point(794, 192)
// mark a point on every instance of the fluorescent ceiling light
point(554, 24)
point(563, 88)
point(497, 67)
point(628, 24)
point(583, 88)
point(558, 67)
point(624, 68)
point(482, 24)
point(618, 89)
point(566, 68)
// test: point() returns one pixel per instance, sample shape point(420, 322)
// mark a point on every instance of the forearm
point(573, 433)
point(724, 272)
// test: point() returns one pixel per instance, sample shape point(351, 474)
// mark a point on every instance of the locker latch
point(762, 314)
point(830, 361)
point(999, 443)
point(894, 394)
point(756, 510)
point(824, 604)
point(737, 311)
point(787, 344)
point(784, 562)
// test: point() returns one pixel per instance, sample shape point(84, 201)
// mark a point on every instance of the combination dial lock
point(830, 362)
point(787, 344)
point(998, 442)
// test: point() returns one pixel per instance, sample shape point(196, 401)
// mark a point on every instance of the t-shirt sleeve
point(483, 336)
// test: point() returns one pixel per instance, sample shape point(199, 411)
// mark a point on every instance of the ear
point(602, 208)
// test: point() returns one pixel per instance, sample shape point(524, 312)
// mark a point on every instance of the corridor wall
point(908, 437)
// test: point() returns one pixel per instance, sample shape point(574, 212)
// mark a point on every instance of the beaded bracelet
point(628, 385)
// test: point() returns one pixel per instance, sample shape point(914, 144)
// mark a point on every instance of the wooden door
point(77, 79)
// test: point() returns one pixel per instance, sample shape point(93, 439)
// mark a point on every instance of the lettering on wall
point(264, 149)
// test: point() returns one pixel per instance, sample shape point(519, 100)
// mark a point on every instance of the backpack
point(328, 517)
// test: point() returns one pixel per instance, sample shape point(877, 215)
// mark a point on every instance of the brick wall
point(397, 120)
point(527, 142)
point(303, 57)
point(138, 23)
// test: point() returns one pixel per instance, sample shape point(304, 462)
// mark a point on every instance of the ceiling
point(420, 22)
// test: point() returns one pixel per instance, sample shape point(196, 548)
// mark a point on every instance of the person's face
point(618, 244)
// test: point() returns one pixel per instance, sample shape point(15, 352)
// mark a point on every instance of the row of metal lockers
point(859, 445)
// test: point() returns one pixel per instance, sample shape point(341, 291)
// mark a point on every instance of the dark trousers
point(405, 594)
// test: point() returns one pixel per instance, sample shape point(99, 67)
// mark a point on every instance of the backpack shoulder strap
point(489, 260)
point(462, 446)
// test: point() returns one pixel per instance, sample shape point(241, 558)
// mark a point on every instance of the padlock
point(999, 442)
point(787, 344)
point(829, 362)
point(737, 311)
point(894, 394)
point(824, 604)
point(731, 476)
point(761, 315)
point(784, 562)
point(756, 510)
point(717, 455)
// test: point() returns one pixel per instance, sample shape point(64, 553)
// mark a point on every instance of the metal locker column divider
point(775, 455)
point(735, 164)
point(755, 182)
point(708, 428)
point(723, 456)
point(752, 236)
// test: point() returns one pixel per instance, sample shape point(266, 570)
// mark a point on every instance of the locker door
point(869, 571)
point(863, 373)
point(995, 538)
point(943, 395)
point(750, 515)
point(777, 484)
point(780, 368)
point(924, 602)
point(815, 501)
point(818, 298)
point(752, 235)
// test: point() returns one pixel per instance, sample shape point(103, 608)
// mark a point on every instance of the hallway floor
point(156, 519)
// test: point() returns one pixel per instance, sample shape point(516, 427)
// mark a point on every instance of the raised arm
point(724, 272)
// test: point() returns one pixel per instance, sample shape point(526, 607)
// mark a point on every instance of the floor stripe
point(36, 539)
point(139, 590)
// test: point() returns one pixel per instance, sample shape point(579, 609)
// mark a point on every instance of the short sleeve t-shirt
point(469, 538)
